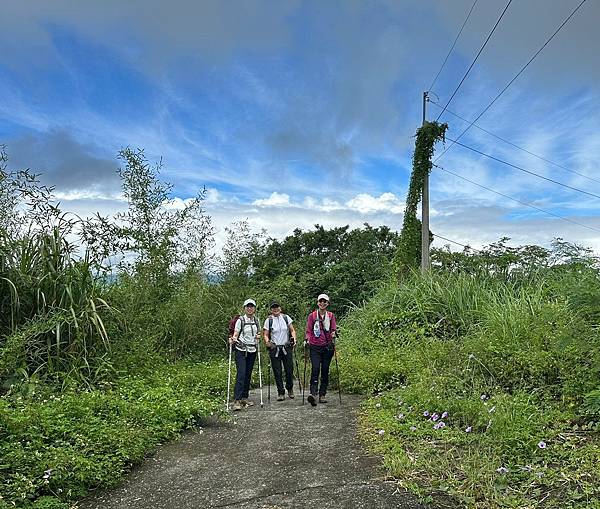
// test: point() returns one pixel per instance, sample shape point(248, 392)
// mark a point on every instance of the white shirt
point(279, 334)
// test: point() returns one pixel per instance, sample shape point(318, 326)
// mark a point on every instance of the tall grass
point(51, 310)
point(513, 364)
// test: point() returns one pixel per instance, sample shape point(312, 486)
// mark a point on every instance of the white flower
point(382, 432)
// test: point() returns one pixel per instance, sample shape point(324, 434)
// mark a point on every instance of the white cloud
point(275, 200)
point(212, 195)
point(365, 203)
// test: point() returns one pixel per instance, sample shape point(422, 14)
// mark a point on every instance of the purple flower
point(444, 415)
point(502, 470)
point(435, 417)
point(426, 413)
point(439, 425)
point(542, 444)
point(468, 429)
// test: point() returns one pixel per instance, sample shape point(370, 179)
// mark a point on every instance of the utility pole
point(425, 208)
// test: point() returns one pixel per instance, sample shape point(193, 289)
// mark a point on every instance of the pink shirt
point(325, 336)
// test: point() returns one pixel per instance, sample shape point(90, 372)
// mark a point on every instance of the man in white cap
point(245, 339)
point(320, 335)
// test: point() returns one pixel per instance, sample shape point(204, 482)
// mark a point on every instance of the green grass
point(56, 447)
point(514, 364)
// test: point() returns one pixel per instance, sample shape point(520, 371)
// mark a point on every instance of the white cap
point(249, 301)
point(323, 296)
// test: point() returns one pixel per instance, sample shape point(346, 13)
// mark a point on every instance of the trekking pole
point(304, 378)
point(229, 377)
point(337, 367)
point(269, 378)
point(297, 371)
point(260, 375)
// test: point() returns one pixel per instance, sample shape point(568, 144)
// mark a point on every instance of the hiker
point(320, 338)
point(280, 339)
point(245, 339)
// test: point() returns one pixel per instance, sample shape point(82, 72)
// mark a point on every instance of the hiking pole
point(269, 378)
point(304, 378)
point(297, 370)
point(260, 375)
point(337, 367)
point(229, 377)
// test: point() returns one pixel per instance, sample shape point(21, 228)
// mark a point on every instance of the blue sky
point(293, 113)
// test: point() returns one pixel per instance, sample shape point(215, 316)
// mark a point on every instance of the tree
point(153, 237)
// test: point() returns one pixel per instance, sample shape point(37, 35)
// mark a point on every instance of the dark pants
point(288, 364)
point(244, 362)
point(320, 358)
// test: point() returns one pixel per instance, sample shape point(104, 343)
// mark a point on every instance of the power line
point(453, 44)
point(476, 57)
point(527, 204)
point(436, 235)
point(473, 124)
point(524, 169)
point(512, 80)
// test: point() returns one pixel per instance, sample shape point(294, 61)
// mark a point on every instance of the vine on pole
point(409, 249)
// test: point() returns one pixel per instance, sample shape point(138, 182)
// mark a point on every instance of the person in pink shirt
point(320, 339)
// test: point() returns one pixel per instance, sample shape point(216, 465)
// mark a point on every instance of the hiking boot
point(291, 394)
point(322, 399)
point(312, 399)
point(246, 402)
point(237, 405)
point(281, 397)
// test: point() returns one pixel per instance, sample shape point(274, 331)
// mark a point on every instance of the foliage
point(409, 249)
point(64, 445)
point(154, 235)
point(346, 264)
point(513, 357)
point(51, 310)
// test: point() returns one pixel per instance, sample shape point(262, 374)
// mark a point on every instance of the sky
point(294, 113)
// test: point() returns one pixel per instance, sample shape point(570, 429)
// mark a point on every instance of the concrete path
point(284, 455)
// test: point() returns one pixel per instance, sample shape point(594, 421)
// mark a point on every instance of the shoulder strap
point(287, 320)
point(270, 326)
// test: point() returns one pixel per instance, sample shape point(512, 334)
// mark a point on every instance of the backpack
point(234, 320)
point(287, 322)
point(232, 323)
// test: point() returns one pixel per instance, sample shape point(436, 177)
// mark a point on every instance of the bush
point(69, 443)
point(512, 363)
